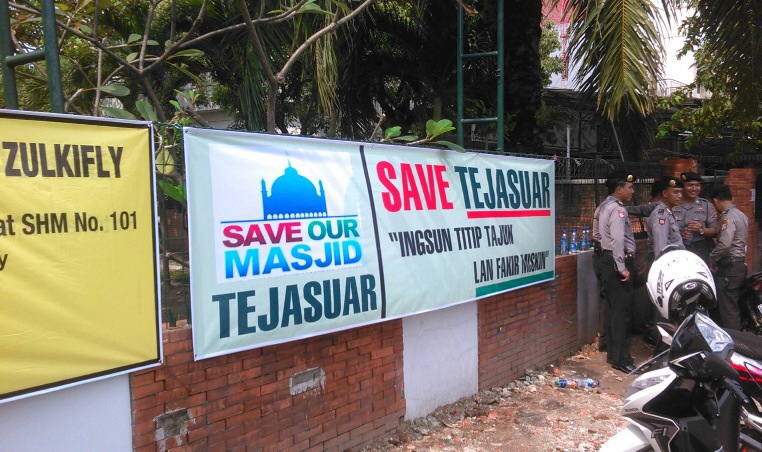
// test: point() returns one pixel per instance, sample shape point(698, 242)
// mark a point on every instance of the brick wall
point(244, 401)
point(528, 327)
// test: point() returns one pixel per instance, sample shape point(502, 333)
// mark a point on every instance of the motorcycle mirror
point(716, 367)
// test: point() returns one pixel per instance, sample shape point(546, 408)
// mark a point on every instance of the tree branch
point(258, 47)
point(325, 30)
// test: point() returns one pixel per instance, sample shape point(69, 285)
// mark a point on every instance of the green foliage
point(619, 50)
point(727, 47)
point(174, 191)
point(434, 129)
point(549, 43)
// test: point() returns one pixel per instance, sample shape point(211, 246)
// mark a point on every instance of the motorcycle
point(697, 398)
point(751, 304)
point(695, 403)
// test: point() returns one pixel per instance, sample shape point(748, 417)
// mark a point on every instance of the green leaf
point(451, 145)
point(190, 53)
point(430, 125)
point(176, 104)
point(173, 191)
point(115, 90)
point(407, 138)
point(151, 42)
point(392, 132)
point(85, 29)
point(312, 7)
point(165, 162)
point(118, 113)
point(434, 129)
point(146, 110)
point(134, 38)
point(182, 68)
point(132, 57)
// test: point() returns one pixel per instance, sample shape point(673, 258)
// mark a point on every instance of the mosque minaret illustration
point(293, 196)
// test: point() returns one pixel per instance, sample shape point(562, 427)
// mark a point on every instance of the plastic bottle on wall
point(564, 243)
point(584, 243)
point(573, 247)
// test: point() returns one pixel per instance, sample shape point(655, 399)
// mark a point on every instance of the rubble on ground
point(528, 414)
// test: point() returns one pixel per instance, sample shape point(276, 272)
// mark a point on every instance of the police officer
point(615, 266)
point(641, 210)
point(656, 188)
point(663, 231)
point(696, 217)
point(727, 258)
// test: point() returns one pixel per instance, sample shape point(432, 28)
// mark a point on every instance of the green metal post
point(53, 64)
point(9, 74)
point(459, 62)
point(499, 119)
point(8, 61)
point(500, 78)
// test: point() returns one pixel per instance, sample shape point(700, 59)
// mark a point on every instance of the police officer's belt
point(727, 260)
point(626, 255)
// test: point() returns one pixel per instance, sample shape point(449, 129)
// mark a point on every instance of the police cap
point(671, 182)
point(657, 187)
point(688, 177)
point(619, 177)
point(721, 192)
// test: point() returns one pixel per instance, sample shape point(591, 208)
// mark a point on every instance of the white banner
point(292, 237)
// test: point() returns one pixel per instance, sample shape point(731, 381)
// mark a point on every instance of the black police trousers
point(619, 296)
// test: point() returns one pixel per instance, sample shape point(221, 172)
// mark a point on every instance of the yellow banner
point(78, 281)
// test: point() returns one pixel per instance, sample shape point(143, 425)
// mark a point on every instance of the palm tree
point(618, 46)
point(619, 51)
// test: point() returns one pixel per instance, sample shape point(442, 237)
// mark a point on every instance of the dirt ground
point(529, 414)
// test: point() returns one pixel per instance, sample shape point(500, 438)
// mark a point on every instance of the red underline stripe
point(474, 214)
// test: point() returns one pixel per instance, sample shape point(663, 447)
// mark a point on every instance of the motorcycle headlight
point(644, 382)
point(715, 336)
point(698, 338)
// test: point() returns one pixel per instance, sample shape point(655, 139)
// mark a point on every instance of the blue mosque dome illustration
point(293, 196)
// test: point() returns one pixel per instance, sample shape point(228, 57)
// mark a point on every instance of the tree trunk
point(272, 102)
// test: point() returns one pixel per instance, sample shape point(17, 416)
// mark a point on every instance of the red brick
point(196, 434)
point(146, 440)
point(206, 385)
point(243, 375)
point(186, 402)
point(177, 358)
point(144, 448)
point(142, 379)
point(225, 413)
point(147, 390)
point(145, 404)
point(380, 353)
point(144, 427)
point(174, 348)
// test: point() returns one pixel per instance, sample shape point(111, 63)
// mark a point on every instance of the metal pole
point(53, 64)
point(9, 73)
point(500, 78)
point(459, 63)
point(9, 61)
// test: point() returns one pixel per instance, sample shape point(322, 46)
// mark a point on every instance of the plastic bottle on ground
point(574, 383)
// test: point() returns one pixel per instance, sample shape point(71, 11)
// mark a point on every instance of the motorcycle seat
point(747, 344)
